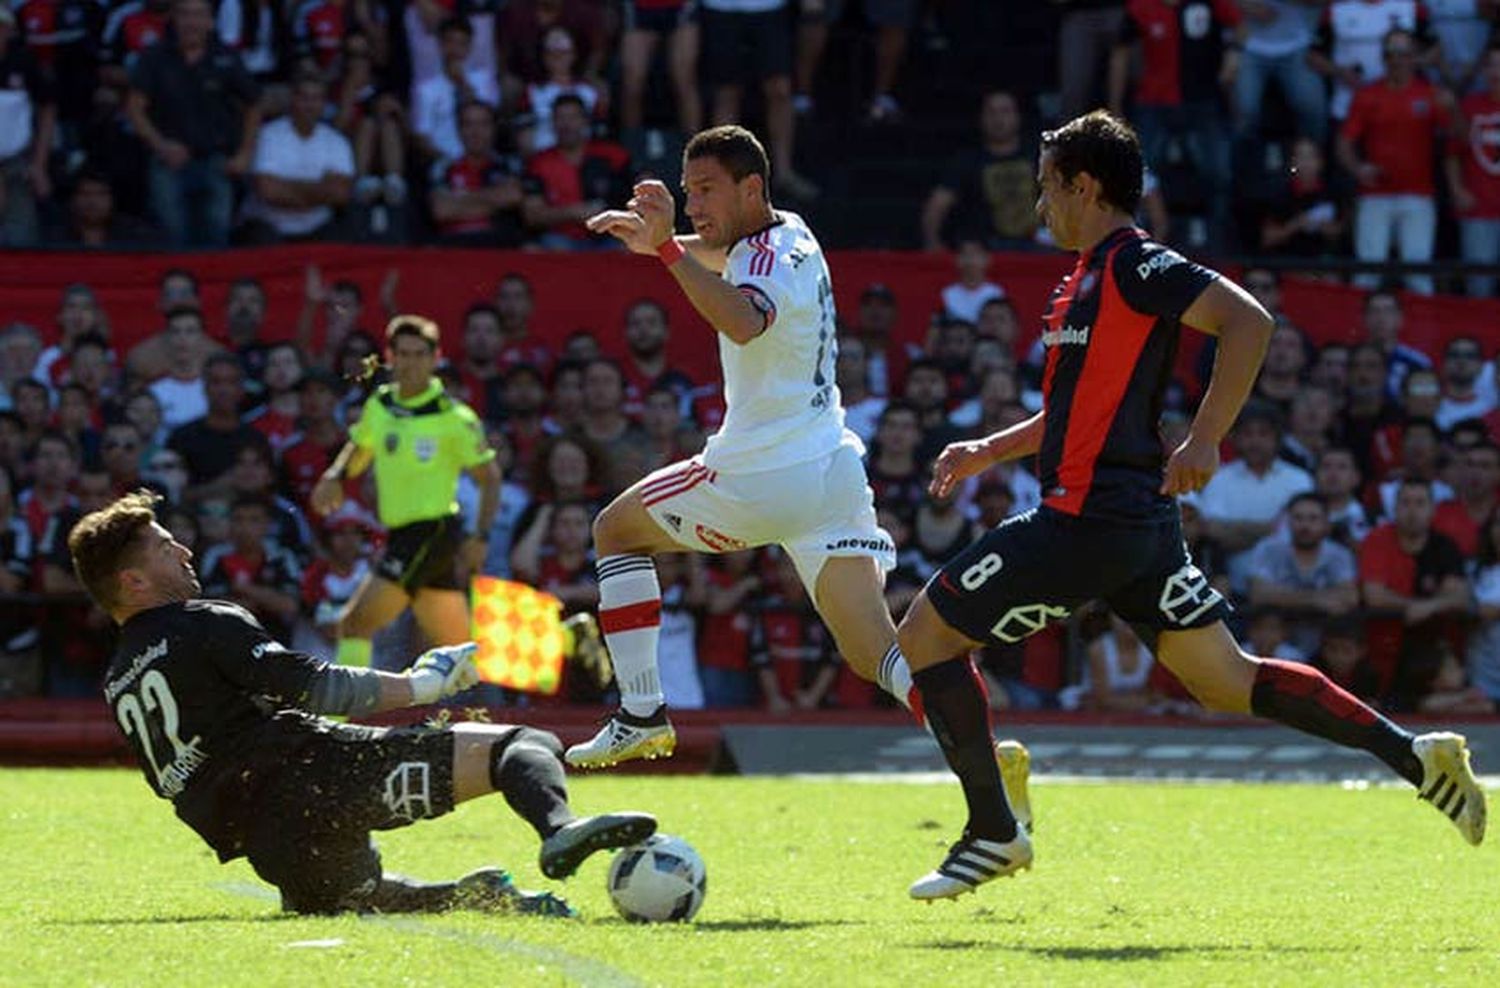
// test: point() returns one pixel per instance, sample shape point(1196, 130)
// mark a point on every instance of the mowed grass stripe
point(1141, 883)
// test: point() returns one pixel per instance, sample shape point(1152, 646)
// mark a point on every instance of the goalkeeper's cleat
point(1448, 782)
point(584, 645)
point(971, 862)
point(624, 737)
point(491, 890)
point(1015, 776)
point(565, 850)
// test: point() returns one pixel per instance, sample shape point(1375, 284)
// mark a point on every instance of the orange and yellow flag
point(520, 635)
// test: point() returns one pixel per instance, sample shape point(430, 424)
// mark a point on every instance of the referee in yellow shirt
point(419, 440)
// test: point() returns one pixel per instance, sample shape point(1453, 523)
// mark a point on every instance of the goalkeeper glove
point(442, 672)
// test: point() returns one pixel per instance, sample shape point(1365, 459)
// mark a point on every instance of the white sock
point(630, 616)
point(894, 675)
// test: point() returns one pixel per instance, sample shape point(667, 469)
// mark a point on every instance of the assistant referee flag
point(520, 635)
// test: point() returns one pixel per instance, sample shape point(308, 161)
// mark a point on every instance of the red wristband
point(670, 251)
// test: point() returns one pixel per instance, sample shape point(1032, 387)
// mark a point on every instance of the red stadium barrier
point(591, 291)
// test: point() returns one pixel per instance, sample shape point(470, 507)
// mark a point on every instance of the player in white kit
point(781, 470)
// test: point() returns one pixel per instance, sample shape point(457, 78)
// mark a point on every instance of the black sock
point(1302, 697)
point(527, 768)
point(960, 721)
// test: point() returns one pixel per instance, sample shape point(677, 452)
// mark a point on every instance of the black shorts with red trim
point(1041, 566)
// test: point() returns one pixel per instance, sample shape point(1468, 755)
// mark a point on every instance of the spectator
point(1384, 323)
point(647, 22)
point(926, 390)
point(559, 57)
point(210, 443)
point(475, 198)
point(514, 500)
point(63, 38)
point(1474, 177)
point(328, 584)
point(276, 417)
point(28, 121)
point(54, 466)
point(1243, 501)
point(1484, 640)
point(244, 319)
point(1280, 378)
point(1345, 659)
point(180, 392)
point(1330, 371)
point(572, 181)
point(92, 221)
point(1463, 517)
point(624, 444)
point(672, 437)
point(1088, 31)
point(33, 406)
point(303, 172)
point(254, 476)
point(1278, 34)
point(561, 563)
point(733, 582)
point(20, 671)
point(254, 572)
point(1115, 675)
point(965, 297)
point(12, 445)
point(852, 375)
point(895, 473)
point(939, 531)
point(994, 184)
point(748, 42)
point(1421, 445)
point(878, 319)
point(1338, 482)
point(1265, 634)
point(793, 655)
point(523, 24)
point(20, 351)
point(1412, 579)
point(524, 399)
point(891, 20)
point(1367, 409)
point(565, 407)
point(422, 23)
point(1349, 44)
point(568, 468)
point(319, 436)
point(131, 28)
point(78, 317)
point(516, 303)
point(195, 107)
point(1310, 428)
point(1463, 365)
point(1308, 577)
point(120, 455)
point(343, 306)
point(76, 419)
point(375, 121)
point(1305, 218)
point(253, 28)
point(647, 332)
point(1387, 144)
point(436, 102)
point(1189, 58)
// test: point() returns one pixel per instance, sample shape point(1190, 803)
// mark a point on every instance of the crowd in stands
point(1308, 128)
point(1355, 522)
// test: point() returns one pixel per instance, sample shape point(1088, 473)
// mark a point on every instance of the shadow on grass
point(172, 920)
point(770, 925)
point(1151, 953)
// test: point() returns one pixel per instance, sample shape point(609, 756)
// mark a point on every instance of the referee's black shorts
point(1040, 566)
point(424, 554)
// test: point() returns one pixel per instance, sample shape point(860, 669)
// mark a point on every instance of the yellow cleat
point(624, 737)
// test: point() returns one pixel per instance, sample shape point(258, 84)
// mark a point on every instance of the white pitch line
point(586, 971)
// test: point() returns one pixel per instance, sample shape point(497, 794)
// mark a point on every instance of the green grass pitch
point(1134, 884)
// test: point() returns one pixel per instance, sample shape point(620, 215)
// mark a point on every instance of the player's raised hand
point(1190, 466)
point(625, 226)
point(654, 204)
point(959, 461)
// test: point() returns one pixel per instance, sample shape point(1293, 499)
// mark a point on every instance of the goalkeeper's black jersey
point(207, 700)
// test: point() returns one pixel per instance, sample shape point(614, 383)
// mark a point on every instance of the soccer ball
point(659, 880)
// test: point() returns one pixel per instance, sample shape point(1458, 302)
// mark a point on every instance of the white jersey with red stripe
point(783, 405)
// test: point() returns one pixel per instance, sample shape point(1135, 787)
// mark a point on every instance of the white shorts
point(813, 510)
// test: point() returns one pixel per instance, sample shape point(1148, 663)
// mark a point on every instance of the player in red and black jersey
point(222, 720)
point(1108, 526)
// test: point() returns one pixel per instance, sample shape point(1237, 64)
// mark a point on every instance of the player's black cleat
point(491, 890)
point(565, 850)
